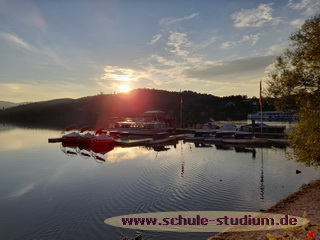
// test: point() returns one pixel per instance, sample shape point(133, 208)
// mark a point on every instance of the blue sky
point(57, 49)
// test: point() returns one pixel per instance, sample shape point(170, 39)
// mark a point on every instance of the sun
point(124, 88)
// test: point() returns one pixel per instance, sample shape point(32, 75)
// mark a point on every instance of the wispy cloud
point(178, 44)
point(224, 70)
point(155, 38)
point(254, 38)
point(255, 17)
point(228, 45)
point(115, 76)
point(277, 49)
point(163, 60)
point(297, 23)
point(171, 21)
point(310, 7)
point(16, 41)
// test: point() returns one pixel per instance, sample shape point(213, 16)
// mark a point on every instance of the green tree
point(295, 84)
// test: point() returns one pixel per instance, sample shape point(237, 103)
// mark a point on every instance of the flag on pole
point(180, 98)
point(260, 99)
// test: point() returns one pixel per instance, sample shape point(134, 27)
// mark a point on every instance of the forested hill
point(96, 110)
point(6, 104)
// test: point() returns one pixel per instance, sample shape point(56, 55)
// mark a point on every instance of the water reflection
point(96, 151)
point(262, 178)
point(71, 195)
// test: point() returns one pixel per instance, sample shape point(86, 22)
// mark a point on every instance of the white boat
point(150, 124)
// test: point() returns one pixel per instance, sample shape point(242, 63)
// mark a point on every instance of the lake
point(48, 194)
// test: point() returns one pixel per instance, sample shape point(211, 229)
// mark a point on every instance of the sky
point(75, 48)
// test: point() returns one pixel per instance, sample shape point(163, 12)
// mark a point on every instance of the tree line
point(98, 110)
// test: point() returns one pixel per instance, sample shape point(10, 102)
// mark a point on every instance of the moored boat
point(148, 125)
point(70, 137)
point(272, 116)
point(220, 136)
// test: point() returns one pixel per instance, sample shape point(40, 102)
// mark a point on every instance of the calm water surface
point(47, 194)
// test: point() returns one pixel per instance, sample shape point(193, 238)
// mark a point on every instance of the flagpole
point(260, 102)
point(180, 109)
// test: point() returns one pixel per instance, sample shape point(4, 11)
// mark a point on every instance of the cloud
point(155, 38)
point(231, 70)
point(178, 43)
point(255, 17)
point(228, 45)
point(12, 39)
point(270, 68)
point(310, 7)
point(116, 73)
point(163, 60)
point(44, 51)
point(297, 23)
point(206, 43)
point(277, 49)
point(171, 21)
point(115, 76)
point(254, 38)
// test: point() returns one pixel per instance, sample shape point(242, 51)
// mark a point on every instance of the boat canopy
point(229, 126)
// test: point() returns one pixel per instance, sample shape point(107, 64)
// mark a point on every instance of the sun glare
point(124, 88)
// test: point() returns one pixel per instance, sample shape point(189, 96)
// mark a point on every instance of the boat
point(219, 136)
point(262, 127)
point(272, 116)
point(70, 137)
point(149, 124)
point(245, 138)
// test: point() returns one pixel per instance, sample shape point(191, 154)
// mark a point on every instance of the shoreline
point(303, 203)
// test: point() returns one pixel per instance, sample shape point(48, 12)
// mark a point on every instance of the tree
point(295, 84)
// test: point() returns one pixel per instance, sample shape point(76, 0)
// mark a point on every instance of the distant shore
point(303, 203)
